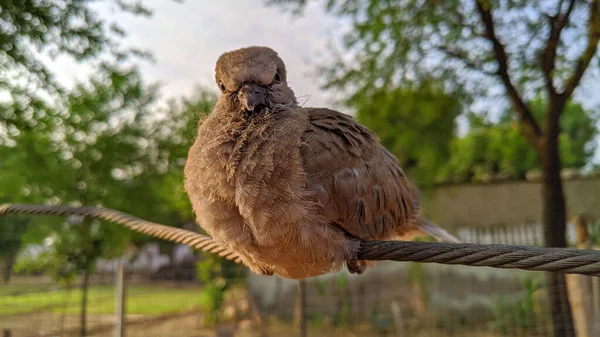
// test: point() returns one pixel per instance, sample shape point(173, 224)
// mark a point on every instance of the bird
point(293, 190)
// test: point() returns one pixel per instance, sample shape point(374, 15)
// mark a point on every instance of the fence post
point(595, 298)
point(301, 314)
point(397, 314)
point(596, 307)
point(120, 299)
point(580, 288)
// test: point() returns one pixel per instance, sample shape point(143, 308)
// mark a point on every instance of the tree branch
point(461, 56)
point(548, 57)
point(533, 132)
point(584, 60)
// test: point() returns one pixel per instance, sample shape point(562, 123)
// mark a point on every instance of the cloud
point(187, 38)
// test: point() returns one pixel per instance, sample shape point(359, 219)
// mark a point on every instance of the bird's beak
point(251, 96)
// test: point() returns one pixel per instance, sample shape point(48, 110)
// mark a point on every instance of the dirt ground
point(49, 324)
point(46, 318)
point(183, 325)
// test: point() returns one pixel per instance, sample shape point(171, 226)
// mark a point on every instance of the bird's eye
point(277, 77)
point(222, 86)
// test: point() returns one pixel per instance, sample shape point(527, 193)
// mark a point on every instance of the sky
point(186, 38)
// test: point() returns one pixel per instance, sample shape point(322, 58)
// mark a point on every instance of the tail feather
point(426, 227)
point(436, 231)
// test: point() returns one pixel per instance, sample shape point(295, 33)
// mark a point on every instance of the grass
point(141, 299)
point(8, 289)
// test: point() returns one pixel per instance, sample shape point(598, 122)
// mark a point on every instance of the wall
point(508, 204)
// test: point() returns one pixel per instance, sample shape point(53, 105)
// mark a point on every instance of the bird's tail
point(426, 227)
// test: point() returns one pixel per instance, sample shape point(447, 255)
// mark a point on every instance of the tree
point(103, 146)
point(32, 29)
point(73, 250)
point(172, 136)
point(10, 243)
point(92, 155)
point(525, 47)
point(416, 124)
point(22, 152)
point(498, 149)
point(109, 149)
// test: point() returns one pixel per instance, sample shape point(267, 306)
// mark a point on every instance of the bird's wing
point(360, 184)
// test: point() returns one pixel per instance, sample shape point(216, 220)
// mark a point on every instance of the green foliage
point(391, 42)
point(526, 307)
point(173, 134)
point(321, 287)
point(341, 282)
point(214, 289)
point(13, 228)
point(72, 250)
point(499, 148)
point(418, 275)
point(393, 47)
point(11, 231)
point(32, 29)
point(343, 315)
point(105, 147)
point(71, 158)
point(595, 232)
point(97, 134)
point(500, 324)
point(102, 145)
point(217, 275)
point(578, 132)
point(416, 124)
point(317, 320)
point(520, 313)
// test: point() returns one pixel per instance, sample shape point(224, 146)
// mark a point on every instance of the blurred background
point(492, 108)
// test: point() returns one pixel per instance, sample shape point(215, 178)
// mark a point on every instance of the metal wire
point(561, 260)
point(173, 234)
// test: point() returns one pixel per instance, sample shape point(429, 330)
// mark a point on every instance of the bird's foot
point(355, 266)
point(266, 271)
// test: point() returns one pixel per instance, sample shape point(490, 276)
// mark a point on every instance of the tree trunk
point(301, 314)
point(554, 218)
point(84, 299)
point(9, 261)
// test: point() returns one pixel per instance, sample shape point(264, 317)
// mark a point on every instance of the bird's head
point(252, 79)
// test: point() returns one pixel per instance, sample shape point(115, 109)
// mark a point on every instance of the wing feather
point(359, 183)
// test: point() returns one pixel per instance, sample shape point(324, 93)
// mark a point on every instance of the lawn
point(141, 299)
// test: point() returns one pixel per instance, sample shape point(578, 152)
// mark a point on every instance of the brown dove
point(292, 190)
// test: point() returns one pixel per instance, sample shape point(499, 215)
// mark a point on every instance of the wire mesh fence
point(175, 291)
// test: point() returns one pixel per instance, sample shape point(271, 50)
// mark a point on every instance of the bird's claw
point(354, 266)
point(266, 271)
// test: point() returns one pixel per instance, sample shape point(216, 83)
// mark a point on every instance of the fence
point(437, 299)
point(394, 299)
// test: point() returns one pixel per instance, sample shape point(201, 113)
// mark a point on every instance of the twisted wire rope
point(177, 235)
point(561, 260)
